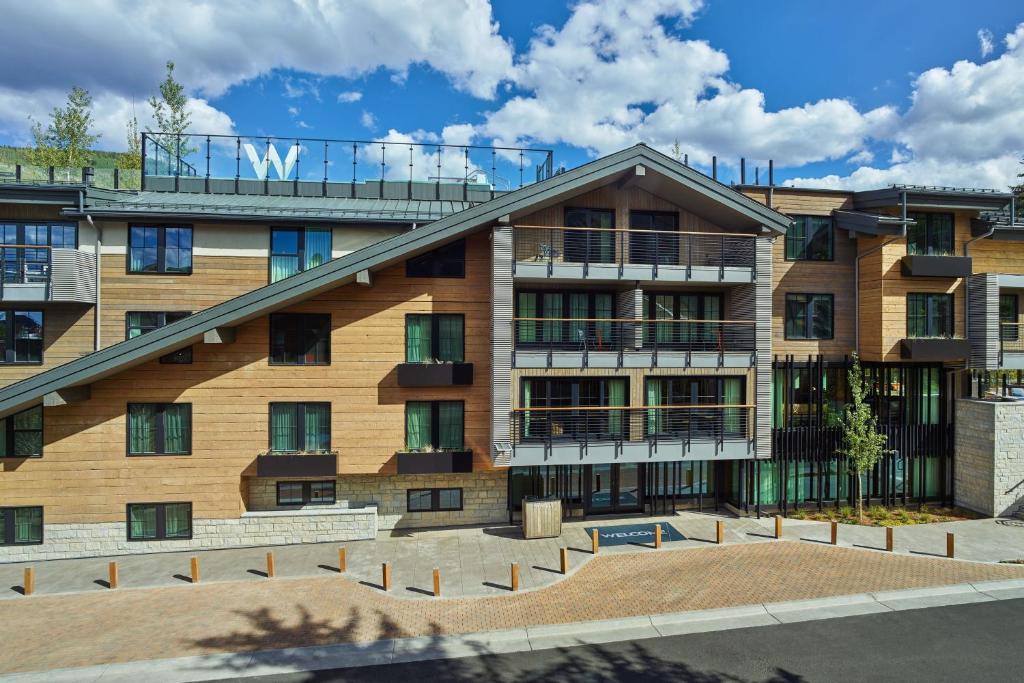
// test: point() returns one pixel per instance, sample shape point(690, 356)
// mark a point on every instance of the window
point(434, 337)
point(139, 322)
point(159, 249)
point(159, 428)
point(693, 391)
point(305, 493)
point(809, 238)
point(1009, 323)
point(159, 521)
point(21, 526)
point(591, 245)
point(809, 316)
point(30, 260)
point(446, 261)
point(293, 250)
point(21, 434)
point(298, 427)
point(929, 315)
point(21, 336)
point(434, 500)
point(585, 393)
point(652, 246)
point(570, 311)
point(931, 234)
point(706, 335)
point(300, 339)
point(434, 425)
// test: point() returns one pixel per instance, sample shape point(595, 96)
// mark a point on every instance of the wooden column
point(950, 546)
point(719, 532)
point(29, 582)
point(657, 535)
point(593, 541)
point(778, 526)
point(515, 576)
point(386, 576)
point(888, 538)
point(342, 560)
point(564, 557)
point(112, 575)
point(835, 533)
point(270, 565)
point(437, 582)
point(194, 566)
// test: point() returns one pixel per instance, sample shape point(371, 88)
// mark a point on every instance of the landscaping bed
point(877, 515)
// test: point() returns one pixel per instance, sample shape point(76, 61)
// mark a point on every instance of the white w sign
point(271, 158)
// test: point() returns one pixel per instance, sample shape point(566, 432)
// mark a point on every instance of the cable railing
point(1011, 337)
point(25, 264)
point(583, 424)
point(558, 245)
point(628, 334)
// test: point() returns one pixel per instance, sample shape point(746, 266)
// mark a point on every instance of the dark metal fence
point(25, 264)
point(624, 334)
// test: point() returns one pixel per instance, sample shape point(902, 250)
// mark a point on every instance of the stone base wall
point(989, 457)
point(483, 497)
point(62, 541)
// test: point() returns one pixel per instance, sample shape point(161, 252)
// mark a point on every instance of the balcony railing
point(626, 334)
point(702, 422)
point(1011, 337)
point(30, 272)
point(594, 246)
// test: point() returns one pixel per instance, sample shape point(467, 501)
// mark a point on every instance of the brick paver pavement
point(94, 628)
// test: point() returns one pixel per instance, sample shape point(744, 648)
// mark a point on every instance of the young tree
point(863, 445)
point(133, 157)
point(677, 151)
point(67, 138)
point(170, 111)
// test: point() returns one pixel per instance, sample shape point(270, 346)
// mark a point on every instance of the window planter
point(297, 464)
point(916, 265)
point(934, 349)
point(435, 374)
point(435, 462)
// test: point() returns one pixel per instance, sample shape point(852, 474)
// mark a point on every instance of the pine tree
point(863, 444)
point(66, 140)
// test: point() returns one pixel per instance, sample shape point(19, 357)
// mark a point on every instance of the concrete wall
point(989, 457)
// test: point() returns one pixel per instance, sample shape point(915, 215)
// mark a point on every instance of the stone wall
point(989, 456)
point(61, 541)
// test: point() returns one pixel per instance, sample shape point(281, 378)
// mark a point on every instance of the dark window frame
point(927, 321)
point(665, 250)
point(178, 357)
point(7, 530)
point(434, 262)
point(10, 433)
point(306, 492)
point(300, 419)
point(812, 296)
point(435, 336)
point(591, 249)
point(930, 233)
point(301, 320)
point(806, 239)
point(12, 339)
point(161, 429)
point(435, 499)
point(300, 247)
point(161, 250)
point(435, 425)
point(161, 521)
point(1006, 332)
point(20, 226)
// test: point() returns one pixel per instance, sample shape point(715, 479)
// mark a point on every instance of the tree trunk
point(860, 498)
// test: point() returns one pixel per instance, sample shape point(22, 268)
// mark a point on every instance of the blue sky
point(838, 94)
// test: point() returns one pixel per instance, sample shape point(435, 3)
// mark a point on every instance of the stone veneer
point(483, 497)
point(61, 541)
point(989, 456)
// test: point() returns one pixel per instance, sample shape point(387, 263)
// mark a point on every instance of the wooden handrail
point(686, 407)
point(659, 232)
point(634, 320)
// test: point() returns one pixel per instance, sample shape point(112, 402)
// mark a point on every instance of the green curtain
point(553, 309)
point(142, 428)
point(663, 305)
point(731, 395)
point(318, 247)
point(417, 425)
point(527, 309)
point(579, 308)
point(28, 525)
point(654, 398)
point(712, 311)
point(417, 338)
point(177, 522)
point(769, 493)
point(283, 427)
point(527, 402)
point(603, 310)
point(318, 427)
point(176, 428)
point(616, 397)
point(143, 521)
point(451, 343)
point(449, 421)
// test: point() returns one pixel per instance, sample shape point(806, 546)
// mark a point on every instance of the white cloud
point(865, 156)
point(349, 96)
point(985, 44)
point(293, 111)
point(368, 120)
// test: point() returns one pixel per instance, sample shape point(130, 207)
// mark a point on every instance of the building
point(219, 358)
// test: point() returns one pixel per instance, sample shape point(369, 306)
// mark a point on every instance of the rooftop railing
point(629, 334)
point(1011, 337)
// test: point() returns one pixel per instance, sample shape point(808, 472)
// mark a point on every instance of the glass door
point(601, 499)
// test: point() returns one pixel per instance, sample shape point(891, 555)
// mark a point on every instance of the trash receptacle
point(542, 517)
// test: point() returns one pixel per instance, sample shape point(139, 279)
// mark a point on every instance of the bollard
point(437, 582)
point(593, 541)
point(949, 545)
point(515, 576)
point(112, 575)
point(564, 553)
point(719, 532)
point(778, 527)
point(270, 565)
point(888, 538)
point(29, 584)
point(386, 578)
point(195, 570)
point(657, 535)
point(835, 533)
point(342, 560)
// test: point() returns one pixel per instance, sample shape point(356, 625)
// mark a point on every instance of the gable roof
point(259, 302)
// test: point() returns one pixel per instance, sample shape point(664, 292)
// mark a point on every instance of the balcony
point(607, 254)
point(1011, 345)
point(590, 435)
point(934, 349)
point(920, 265)
point(435, 374)
point(274, 464)
point(630, 343)
point(35, 274)
point(437, 462)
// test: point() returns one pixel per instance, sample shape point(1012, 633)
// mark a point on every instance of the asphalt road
point(977, 642)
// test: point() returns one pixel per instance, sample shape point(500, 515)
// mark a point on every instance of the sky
point(844, 95)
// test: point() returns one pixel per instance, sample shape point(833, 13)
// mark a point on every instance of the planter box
point(542, 517)
point(293, 465)
point(935, 350)
point(918, 265)
point(442, 462)
point(434, 374)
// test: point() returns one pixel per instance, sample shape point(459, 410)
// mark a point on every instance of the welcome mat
point(624, 534)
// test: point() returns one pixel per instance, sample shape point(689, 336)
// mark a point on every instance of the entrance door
point(615, 488)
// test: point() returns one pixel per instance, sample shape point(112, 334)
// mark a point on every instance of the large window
point(434, 337)
point(669, 307)
point(596, 408)
point(300, 339)
point(21, 336)
point(434, 425)
point(296, 427)
point(572, 331)
point(651, 245)
point(29, 262)
point(663, 392)
point(931, 234)
point(159, 249)
point(21, 434)
point(137, 323)
point(810, 238)
point(434, 500)
point(21, 525)
point(1009, 322)
point(159, 521)
point(159, 428)
point(809, 316)
point(929, 315)
point(293, 250)
point(305, 493)
point(445, 261)
point(590, 245)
